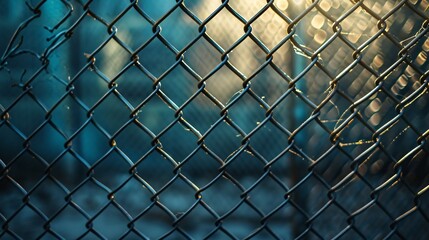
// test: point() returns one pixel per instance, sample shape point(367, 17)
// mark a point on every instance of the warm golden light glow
point(325, 5)
point(318, 21)
point(298, 2)
point(378, 61)
point(320, 36)
point(282, 4)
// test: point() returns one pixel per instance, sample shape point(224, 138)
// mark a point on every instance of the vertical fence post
point(298, 166)
point(59, 66)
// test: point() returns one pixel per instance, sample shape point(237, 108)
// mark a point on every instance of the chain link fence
point(229, 119)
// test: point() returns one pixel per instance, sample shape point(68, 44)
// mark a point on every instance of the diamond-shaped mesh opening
point(359, 27)
point(96, 31)
point(179, 22)
point(269, 28)
point(156, 10)
point(182, 146)
point(319, 29)
point(40, 199)
point(214, 119)
point(337, 218)
point(25, 214)
point(133, 85)
point(273, 137)
point(138, 29)
point(269, 85)
point(38, 144)
point(153, 221)
point(319, 132)
point(243, 116)
point(202, 51)
point(89, 79)
point(245, 162)
point(14, 200)
point(49, 88)
point(155, 169)
point(396, 209)
point(335, 162)
point(291, 120)
point(150, 119)
point(76, 173)
point(202, 10)
point(216, 201)
point(348, 139)
point(418, 122)
point(122, 165)
point(401, 26)
point(224, 85)
point(108, 14)
point(203, 216)
point(276, 219)
point(282, 58)
point(396, 136)
point(316, 91)
point(201, 105)
point(178, 202)
point(14, 139)
point(104, 112)
point(362, 194)
point(179, 85)
point(151, 56)
point(414, 176)
point(82, 196)
point(68, 115)
point(248, 10)
point(413, 219)
point(238, 228)
point(222, 33)
point(72, 218)
point(109, 69)
point(134, 197)
point(25, 108)
point(90, 143)
point(141, 141)
point(280, 167)
point(334, 112)
point(224, 136)
point(379, 220)
point(21, 160)
point(111, 216)
point(267, 186)
point(247, 57)
point(337, 57)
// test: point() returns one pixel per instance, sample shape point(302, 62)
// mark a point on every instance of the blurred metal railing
point(214, 119)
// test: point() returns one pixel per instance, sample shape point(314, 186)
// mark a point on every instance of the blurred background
point(219, 119)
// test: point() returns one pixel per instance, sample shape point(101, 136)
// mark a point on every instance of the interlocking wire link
point(225, 119)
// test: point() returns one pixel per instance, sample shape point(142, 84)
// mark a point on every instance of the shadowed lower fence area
point(214, 119)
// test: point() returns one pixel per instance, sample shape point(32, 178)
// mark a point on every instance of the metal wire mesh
point(214, 119)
